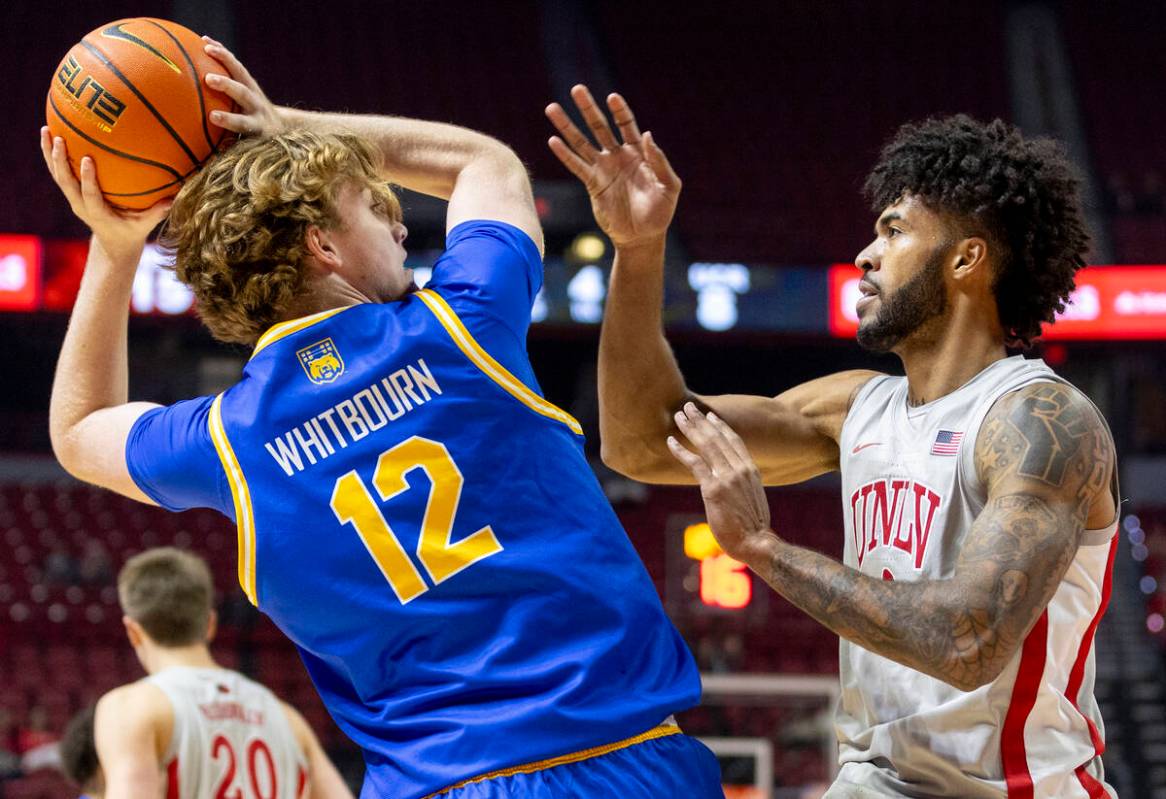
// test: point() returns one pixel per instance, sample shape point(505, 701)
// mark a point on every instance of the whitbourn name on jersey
point(351, 420)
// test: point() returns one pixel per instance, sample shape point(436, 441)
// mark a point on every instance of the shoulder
point(832, 393)
point(853, 381)
point(140, 696)
point(1046, 438)
point(479, 244)
point(136, 705)
point(171, 456)
point(494, 229)
point(826, 401)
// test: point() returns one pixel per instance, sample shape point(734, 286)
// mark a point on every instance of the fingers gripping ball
point(132, 95)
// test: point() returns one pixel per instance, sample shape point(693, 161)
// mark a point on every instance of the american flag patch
point(946, 443)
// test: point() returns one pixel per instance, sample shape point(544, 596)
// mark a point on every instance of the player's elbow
point(502, 164)
point(634, 461)
point(67, 451)
point(617, 458)
point(76, 456)
point(977, 668)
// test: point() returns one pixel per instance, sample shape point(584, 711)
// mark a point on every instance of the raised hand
point(119, 231)
point(257, 115)
point(730, 482)
point(632, 186)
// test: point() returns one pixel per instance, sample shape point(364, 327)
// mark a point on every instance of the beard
point(920, 300)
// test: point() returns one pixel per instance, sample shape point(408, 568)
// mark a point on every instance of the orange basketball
point(132, 96)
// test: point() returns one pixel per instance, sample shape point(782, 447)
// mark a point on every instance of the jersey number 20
point(352, 502)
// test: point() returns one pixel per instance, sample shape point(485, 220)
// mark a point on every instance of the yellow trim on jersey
point(490, 367)
point(244, 513)
point(595, 751)
point(276, 332)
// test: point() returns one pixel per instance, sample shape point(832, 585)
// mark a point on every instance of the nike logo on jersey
point(861, 447)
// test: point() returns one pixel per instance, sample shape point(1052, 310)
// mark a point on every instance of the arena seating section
point(63, 644)
point(821, 85)
point(1121, 104)
point(487, 73)
point(1153, 524)
point(783, 188)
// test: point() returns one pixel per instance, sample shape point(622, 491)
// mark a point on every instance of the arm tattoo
point(1046, 457)
point(1052, 426)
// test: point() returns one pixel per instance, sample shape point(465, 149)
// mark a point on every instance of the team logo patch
point(321, 361)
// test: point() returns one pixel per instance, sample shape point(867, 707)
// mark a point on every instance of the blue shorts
point(661, 768)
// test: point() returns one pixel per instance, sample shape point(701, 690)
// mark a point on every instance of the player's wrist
point(288, 118)
point(111, 252)
point(640, 245)
point(758, 550)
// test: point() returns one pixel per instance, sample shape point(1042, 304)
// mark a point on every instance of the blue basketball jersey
point(424, 526)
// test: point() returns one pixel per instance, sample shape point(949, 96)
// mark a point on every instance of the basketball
point(132, 96)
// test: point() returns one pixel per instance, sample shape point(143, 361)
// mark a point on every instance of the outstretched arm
point(481, 177)
point(634, 192)
point(1046, 458)
point(89, 417)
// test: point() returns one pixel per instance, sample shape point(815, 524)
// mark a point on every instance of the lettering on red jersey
point(216, 711)
point(894, 513)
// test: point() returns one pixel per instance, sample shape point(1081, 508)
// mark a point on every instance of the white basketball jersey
point(910, 495)
point(231, 738)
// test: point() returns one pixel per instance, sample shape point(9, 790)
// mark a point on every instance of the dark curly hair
point(1022, 194)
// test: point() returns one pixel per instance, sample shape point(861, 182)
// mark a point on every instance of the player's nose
point(866, 260)
point(400, 232)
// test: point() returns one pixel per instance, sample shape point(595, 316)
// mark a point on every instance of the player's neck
point(937, 366)
point(161, 658)
point(324, 294)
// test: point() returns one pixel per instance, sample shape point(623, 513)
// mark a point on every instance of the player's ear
point(212, 626)
point(321, 247)
point(134, 631)
point(971, 259)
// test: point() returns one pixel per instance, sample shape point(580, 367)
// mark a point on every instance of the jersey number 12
point(352, 502)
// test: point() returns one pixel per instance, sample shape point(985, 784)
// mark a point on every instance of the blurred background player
point(411, 511)
point(190, 728)
point(980, 491)
point(78, 753)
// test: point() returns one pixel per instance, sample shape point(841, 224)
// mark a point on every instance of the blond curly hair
point(238, 226)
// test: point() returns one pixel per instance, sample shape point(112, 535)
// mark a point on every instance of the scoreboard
point(701, 580)
point(1110, 302)
point(722, 582)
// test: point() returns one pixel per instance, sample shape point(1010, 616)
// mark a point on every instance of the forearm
point(640, 384)
point(421, 156)
point(938, 627)
point(92, 371)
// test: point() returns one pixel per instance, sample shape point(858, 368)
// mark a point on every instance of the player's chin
point(873, 339)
